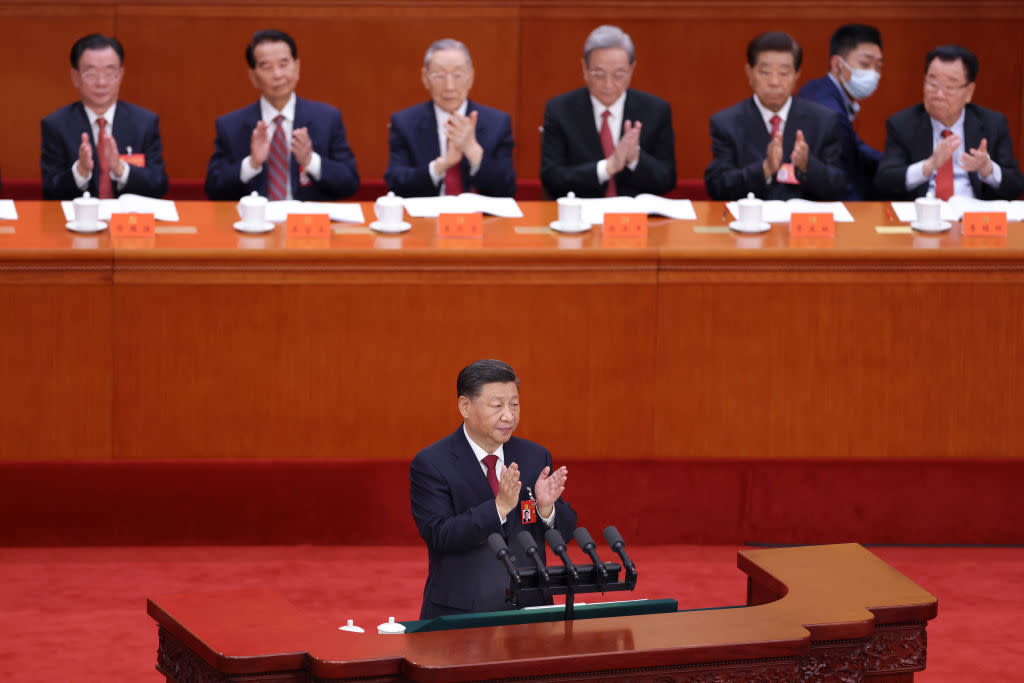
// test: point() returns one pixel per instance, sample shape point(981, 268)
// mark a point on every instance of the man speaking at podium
point(470, 485)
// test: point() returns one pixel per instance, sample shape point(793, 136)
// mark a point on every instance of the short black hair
point(474, 376)
point(94, 41)
point(774, 41)
point(268, 36)
point(951, 53)
point(849, 36)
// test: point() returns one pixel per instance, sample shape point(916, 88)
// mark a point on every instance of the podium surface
point(833, 612)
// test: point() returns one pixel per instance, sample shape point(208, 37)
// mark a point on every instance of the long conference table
point(814, 613)
point(693, 342)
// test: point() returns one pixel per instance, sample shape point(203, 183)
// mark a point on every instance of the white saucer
point(760, 227)
point(569, 227)
point(86, 229)
point(242, 226)
point(391, 228)
point(941, 226)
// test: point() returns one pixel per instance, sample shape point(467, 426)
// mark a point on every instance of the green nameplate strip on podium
point(535, 615)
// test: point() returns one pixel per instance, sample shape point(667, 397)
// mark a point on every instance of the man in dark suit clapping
point(774, 145)
point(470, 485)
point(101, 144)
point(607, 139)
point(947, 145)
point(450, 144)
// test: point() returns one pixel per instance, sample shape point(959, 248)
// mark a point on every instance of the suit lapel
point(585, 116)
point(973, 133)
point(426, 137)
point(752, 121)
point(468, 466)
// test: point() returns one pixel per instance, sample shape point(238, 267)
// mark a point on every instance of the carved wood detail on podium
point(896, 648)
point(181, 665)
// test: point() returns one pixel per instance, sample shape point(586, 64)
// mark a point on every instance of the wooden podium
point(814, 613)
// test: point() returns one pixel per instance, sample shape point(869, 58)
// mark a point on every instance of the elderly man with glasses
point(606, 139)
point(450, 144)
point(947, 145)
point(99, 144)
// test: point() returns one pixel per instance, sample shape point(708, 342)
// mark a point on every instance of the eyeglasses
point(111, 75)
point(934, 86)
point(615, 76)
point(441, 77)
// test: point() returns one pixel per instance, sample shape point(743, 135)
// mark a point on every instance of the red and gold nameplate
point(985, 223)
point(812, 225)
point(460, 225)
point(306, 225)
point(625, 225)
point(132, 225)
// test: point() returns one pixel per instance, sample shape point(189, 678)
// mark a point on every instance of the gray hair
point(446, 44)
point(608, 36)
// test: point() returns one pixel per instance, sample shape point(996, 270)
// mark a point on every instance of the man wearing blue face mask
point(855, 67)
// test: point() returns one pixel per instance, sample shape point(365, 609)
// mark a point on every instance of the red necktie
point(944, 178)
point(106, 189)
point(277, 164)
point(490, 461)
point(609, 148)
point(453, 180)
point(776, 122)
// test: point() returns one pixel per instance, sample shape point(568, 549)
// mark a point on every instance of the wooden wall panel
point(293, 371)
point(185, 61)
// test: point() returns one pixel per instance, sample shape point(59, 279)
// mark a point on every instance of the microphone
point(530, 546)
point(557, 544)
point(497, 544)
point(584, 541)
point(614, 538)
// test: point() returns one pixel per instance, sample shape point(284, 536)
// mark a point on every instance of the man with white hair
point(449, 144)
point(606, 139)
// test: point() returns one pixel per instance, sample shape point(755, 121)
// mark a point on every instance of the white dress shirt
point(499, 467)
point(615, 120)
point(767, 114)
point(268, 113)
point(441, 116)
point(82, 181)
point(961, 182)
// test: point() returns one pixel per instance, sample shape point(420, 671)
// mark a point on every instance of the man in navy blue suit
point(450, 144)
point(774, 145)
point(283, 146)
point(607, 139)
point(99, 144)
point(855, 67)
point(947, 145)
point(469, 485)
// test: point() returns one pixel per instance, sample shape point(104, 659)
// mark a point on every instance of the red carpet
point(79, 614)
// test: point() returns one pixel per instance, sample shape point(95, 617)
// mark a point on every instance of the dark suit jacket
point(909, 140)
point(860, 160)
point(133, 127)
point(571, 146)
point(413, 144)
point(338, 175)
point(454, 510)
point(739, 141)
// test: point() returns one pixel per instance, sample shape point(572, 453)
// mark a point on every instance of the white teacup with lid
point(388, 210)
point(390, 627)
point(87, 211)
point(252, 209)
point(570, 210)
point(929, 213)
point(751, 211)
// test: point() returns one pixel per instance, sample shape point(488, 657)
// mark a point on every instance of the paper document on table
point(277, 212)
point(162, 209)
point(467, 202)
point(7, 210)
point(779, 211)
point(953, 209)
point(595, 209)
